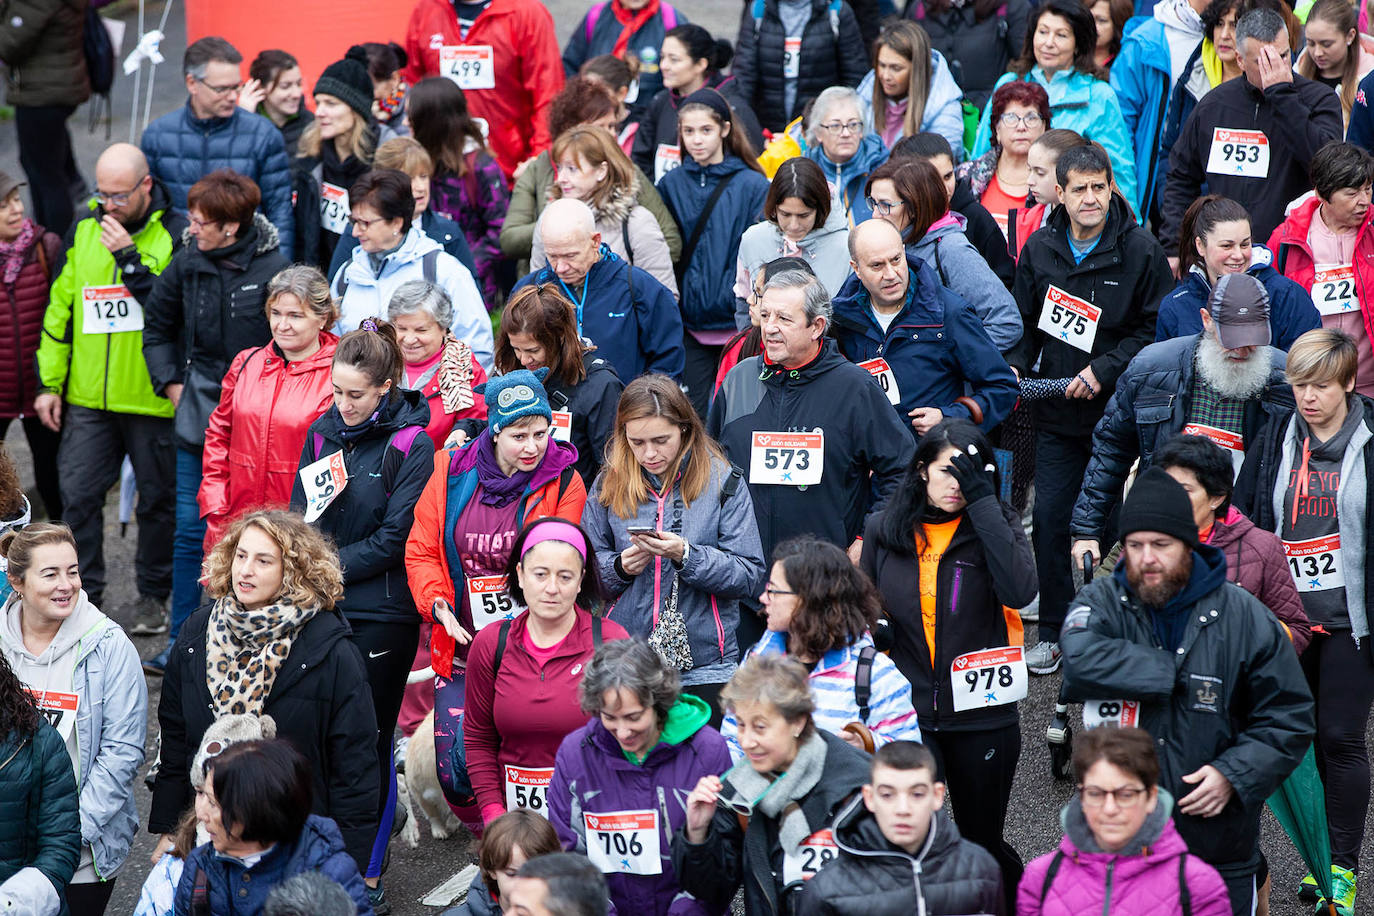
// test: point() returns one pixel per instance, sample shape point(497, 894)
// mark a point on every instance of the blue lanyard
point(586, 282)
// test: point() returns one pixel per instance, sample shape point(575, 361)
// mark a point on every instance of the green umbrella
point(1300, 807)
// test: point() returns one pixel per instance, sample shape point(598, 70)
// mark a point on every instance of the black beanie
point(347, 81)
point(1157, 502)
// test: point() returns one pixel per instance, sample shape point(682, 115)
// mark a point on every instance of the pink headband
point(556, 531)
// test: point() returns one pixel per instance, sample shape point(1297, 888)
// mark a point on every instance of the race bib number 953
point(1244, 153)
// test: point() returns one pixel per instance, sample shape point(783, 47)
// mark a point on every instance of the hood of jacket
point(857, 833)
point(1232, 528)
point(1155, 837)
point(413, 247)
point(558, 457)
point(71, 644)
point(405, 407)
point(687, 716)
point(1209, 574)
point(619, 203)
point(1298, 222)
point(261, 238)
point(1120, 221)
point(870, 154)
point(950, 224)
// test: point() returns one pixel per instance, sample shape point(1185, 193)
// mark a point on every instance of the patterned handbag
point(669, 635)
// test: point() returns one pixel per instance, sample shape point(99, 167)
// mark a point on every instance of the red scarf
point(633, 21)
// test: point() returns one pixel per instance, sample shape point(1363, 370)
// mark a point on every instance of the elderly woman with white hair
point(437, 363)
point(838, 140)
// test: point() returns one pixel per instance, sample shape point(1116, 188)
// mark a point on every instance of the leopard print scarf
point(245, 650)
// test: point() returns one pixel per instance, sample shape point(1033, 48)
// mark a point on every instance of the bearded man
point(1224, 383)
point(1215, 681)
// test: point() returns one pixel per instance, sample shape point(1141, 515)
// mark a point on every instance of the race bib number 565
point(528, 787)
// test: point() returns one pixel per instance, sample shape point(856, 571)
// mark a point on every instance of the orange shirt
point(937, 538)
point(999, 203)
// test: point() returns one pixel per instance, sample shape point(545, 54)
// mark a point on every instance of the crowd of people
point(675, 435)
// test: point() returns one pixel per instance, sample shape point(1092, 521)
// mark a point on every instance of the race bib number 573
point(787, 459)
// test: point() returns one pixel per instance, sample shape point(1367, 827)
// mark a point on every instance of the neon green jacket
point(106, 371)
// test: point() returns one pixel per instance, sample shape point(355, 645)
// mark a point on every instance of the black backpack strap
point(596, 631)
point(1011, 232)
point(200, 895)
point(1050, 873)
point(863, 681)
point(1185, 899)
point(430, 265)
point(731, 485)
point(703, 218)
point(940, 267)
point(625, 234)
point(500, 649)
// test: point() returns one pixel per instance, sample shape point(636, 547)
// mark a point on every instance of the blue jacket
point(1361, 129)
point(936, 346)
point(708, 282)
point(847, 181)
point(182, 149)
point(943, 113)
point(630, 316)
point(1083, 103)
point(596, 34)
point(1291, 312)
point(233, 890)
point(441, 229)
point(1142, 82)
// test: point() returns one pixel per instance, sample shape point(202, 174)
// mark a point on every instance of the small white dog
point(419, 785)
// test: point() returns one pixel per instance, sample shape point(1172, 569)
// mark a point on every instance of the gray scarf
point(745, 789)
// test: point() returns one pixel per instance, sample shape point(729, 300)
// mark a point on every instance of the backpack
point(589, 24)
point(832, 13)
point(429, 263)
point(397, 448)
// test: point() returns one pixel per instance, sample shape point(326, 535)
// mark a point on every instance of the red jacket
point(24, 302)
point(522, 715)
point(440, 423)
point(528, 64)
point(1293, 257)
point(254, 441)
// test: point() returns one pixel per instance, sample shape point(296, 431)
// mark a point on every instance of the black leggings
point(89, 899)
point(1342, 680)
point(978, 767)
point(388, 648)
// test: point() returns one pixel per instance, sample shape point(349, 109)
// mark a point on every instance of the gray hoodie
point(826, 249)
point(962, 269)
point(91, 657)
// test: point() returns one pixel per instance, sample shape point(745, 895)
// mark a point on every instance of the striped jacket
point(891, 716)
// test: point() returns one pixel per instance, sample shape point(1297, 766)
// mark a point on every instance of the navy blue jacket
point(440, 228)
point(1361, 130)
point(182, 149)
point(630, 316)
point(708, 282)
point(1291, 312)
point(232, 889)
point(936, 346)
point(371, 518)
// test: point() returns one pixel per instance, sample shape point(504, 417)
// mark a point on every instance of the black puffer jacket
point(826, 59)
point(370, 520)
point(714, 870)
point(659, 125)
point(874, 878)
point(592, 403)
point(321, 703)
point(1233, 696)
point(1151, 404)
point(1125, 276)
point(978, 51)
point(987, 566)
point(206, 307)
point(40, 41)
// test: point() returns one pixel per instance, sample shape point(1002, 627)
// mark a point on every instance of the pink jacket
point(1143, 883)
point(1255, 562)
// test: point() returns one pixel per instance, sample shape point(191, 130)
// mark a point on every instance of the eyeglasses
point(366, 224)
point(199, 224)
point(844, 127)
point(882, 207)
point(770, 591)
point(120, 199)
point(220, 90)
point(1125, 797)
point(1012, 119)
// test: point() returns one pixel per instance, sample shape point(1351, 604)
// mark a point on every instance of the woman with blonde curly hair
point(272, 643)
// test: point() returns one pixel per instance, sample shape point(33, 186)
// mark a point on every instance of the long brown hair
point(440, 121)
point(623, 488)
point(544, 313)
point(1340, 14)
point(905, 39)
point(836, 602)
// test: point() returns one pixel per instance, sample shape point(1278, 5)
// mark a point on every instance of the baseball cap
point(1239, 306)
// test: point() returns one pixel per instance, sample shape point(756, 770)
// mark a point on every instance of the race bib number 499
point(470, 66)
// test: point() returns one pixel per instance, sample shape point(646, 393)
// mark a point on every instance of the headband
point(712, 99)
point(556, 531)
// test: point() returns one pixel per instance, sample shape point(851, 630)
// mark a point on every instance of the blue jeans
point(187, 550)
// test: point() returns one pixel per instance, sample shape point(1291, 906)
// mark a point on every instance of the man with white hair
point(1224, 384)
point(846, 150)
point(631, 317)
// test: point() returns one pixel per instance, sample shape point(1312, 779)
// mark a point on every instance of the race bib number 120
point(528, 787)
point(989, 677)
point(1244, 153)
point(787, 459)
point(470, 66)
point(110, 310)
point(1069, 319)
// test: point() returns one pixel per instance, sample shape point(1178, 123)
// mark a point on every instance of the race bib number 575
point(1069, 319)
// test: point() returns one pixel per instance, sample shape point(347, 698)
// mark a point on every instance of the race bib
point(1316, 563)
point(58, 708)
point(887, 380)
point(791, 57)
point(323, 481)
point(470, 66)
point(528, 787)
point(1234, 443)
point(1120, 713)
point(1068, 319)
point(1239, 152)
point(333, 208)
point(811, 856)
point(110, 310)
point(666, 158)
point(561, 428)
point(787, 459)
point(1002, 220)
point(489, 601)
point(624, 842)
point(989, 677)
point(1333, 289)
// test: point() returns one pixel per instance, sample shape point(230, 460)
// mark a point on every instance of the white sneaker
point(1044, 658)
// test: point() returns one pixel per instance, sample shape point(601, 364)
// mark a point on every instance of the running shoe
point(1045, 658)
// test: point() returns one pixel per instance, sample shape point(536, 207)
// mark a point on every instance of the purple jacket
point(477, 202)
point(1142, 881)
point(591, 775)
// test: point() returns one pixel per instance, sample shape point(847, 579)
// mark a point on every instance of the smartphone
point(642, 529)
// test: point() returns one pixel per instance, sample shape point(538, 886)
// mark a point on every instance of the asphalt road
point(1033, 820)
